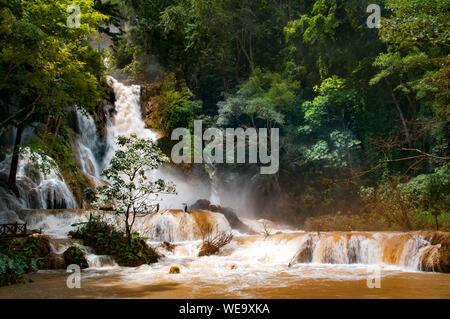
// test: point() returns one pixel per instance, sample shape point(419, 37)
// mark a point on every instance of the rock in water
point(74, 255)
point(437, 256)
point(174, 270)
point(201, 204)
point(230, 215)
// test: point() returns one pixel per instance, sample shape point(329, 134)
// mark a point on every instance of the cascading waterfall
point(128, 120)
point(37, 188)
point(407, 251)
point(401, 249)
point(165, 225)
point(88, 144)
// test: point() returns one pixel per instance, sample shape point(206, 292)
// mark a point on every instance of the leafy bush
point(74, 255)
point(19, 256)
point(169, 104)
point(106, 240)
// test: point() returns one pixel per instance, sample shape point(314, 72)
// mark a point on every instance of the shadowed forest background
point(363, 112)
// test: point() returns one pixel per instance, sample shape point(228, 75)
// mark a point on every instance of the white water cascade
point(128, 120)
point(37, 188)
point(88, 144)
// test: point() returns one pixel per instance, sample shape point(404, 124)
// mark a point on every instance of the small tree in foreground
point(131, 190)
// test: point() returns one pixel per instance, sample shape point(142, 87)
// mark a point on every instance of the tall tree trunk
point(400, 112)
point(15, 162)
point(127, 226)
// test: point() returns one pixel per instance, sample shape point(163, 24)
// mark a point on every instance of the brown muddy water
point(108, 284)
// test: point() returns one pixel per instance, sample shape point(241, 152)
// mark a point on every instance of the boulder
point(230, 215)
point(436, 257)
point(174, 270)
point(74, 255)
point(43, 247)
point(201, 204)
point(168, 246)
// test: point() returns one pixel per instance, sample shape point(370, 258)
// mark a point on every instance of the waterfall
point(411, 251)
point(165, 225)
point(403, 249)
point(89, 144)
point(38, 189)
point(127, 120)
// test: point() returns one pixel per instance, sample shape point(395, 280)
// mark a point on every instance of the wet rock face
point(305, 253)
point(229, 214)
point(153, 104)
point(437, 256)
point(53, 261)
point(44, 245)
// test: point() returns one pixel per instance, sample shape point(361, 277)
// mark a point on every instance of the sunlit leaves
point(131, 186)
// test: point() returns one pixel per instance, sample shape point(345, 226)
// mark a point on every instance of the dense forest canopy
point(363, 112)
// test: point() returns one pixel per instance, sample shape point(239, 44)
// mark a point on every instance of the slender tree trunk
point(252, 62)
point(15, 162)
point(400, 112)
point(56, 131)
point(127, 226)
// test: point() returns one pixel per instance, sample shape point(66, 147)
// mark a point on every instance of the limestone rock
point(174, 270)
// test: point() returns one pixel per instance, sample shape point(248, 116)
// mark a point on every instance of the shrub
point(106, 240)
point(74, 255)
point(211, 244)
point(19, 256)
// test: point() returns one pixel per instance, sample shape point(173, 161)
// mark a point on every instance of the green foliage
point(171, 105)
point(431, 192)
point(46, 66)
point(328, 117)
point(106, 240)
point(261, 101)
point(409, 205)
point(417, 22)
point(17, 258)
point(181, 106)
point(74, 255)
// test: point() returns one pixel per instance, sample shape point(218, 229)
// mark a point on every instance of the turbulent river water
point(286, 263)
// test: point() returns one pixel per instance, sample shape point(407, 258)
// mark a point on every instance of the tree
point(327, 123)
point(45, 66)
point(259, 102)
point(131, 189)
